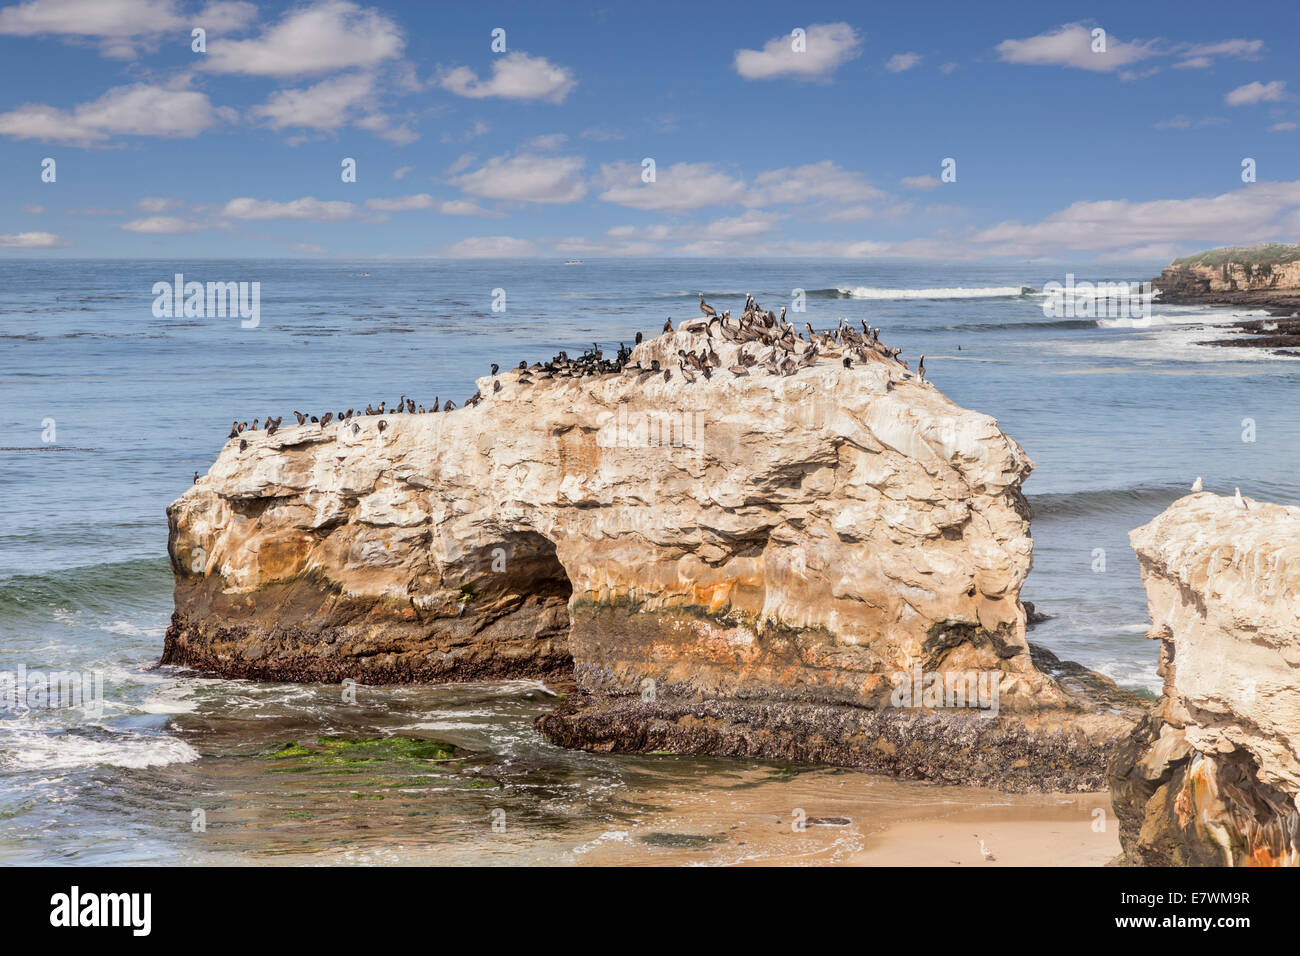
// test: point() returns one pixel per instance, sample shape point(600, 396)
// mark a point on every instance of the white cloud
point(1251, 214)
point(948, 68)
point(811, 183)
point(308, 209)
point(309, 249)
point(156, 204)
point(827, 47)
point(1198, 56)
point(326, 105)
point(32, 240)
point(1257, 92)
point(902, 61)
point(454, 207)
point(686, 186)
point(548, 142)
point(476, 129)
point(35, 210)
point(678, 188)
point(1072, 45)
point(601, 135)
point(326, 36)
point(1184, 122)
point(919, 182)
point(162, 225)
point(515, 76)
point(527, 177)
point(138, 110)
point(402, 203)
point(401, 171)
point(491, 247)
point(119, 25)
point(1283, 127)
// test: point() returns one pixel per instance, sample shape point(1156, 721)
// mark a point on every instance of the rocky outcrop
point(1263, 277)
point(788, 550)
point(1212, 775)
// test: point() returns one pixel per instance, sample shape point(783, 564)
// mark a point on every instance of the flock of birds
point(782, 350)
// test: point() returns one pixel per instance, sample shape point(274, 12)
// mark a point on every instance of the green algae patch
point(347, 754)
point(682, 841)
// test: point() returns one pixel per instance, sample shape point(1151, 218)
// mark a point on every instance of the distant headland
point(1264, 276)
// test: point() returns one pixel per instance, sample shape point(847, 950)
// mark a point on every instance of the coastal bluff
point(748, 564)
point(1212, 775)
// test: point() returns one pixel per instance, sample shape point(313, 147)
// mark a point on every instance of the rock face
point(760, 543)
point(1266, 277)
point(1212, 775)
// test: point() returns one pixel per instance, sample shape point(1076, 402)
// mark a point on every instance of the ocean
point(106, 412)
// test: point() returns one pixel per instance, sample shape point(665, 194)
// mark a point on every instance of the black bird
point(435, 403)
point(638, 338)
point(496, 385)
point(410, 405)
point(243, 444)
point(523, 366)
point(300, 416)
point(494, 368)
point(196, 477)
point(382, 424)
point(668, 326)
point(329, 417)
point(234, 430)
point(450, 406)
point(920, 368)
point(848, 362)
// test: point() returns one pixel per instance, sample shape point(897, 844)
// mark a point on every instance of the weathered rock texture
point(759, 541)
point(1266, 277)
point(1212, 775)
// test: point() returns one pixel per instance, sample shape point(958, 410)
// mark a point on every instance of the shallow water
point(1119, 416)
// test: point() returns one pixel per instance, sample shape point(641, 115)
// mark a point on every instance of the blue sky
point(1062, 151)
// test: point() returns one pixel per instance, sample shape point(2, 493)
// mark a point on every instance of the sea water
point(107, 410)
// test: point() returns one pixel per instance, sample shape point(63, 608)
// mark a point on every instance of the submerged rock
point(746, 563)
point(1212, 776)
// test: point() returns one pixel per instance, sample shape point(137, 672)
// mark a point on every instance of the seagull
point(987, 853)
point(1197, 486)
point(1240, 501)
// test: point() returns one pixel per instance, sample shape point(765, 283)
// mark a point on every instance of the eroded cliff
point(761, 544)
point(1212, 776)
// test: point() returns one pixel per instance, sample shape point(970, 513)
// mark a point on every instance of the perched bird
point(668, 326)
point(494, 368)
point(243, 444)
point(1238, 500)
point(848, 362)
point(234, 430)
point(638, 339)
point(196, 477)
point(1197, 486)
point(986, 852)
point(300, 416)
point(382, 424)
point(706, 308)
point(920, 368)
point(496, 385)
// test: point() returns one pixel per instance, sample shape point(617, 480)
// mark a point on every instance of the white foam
point(956, 292)
point(25, 750)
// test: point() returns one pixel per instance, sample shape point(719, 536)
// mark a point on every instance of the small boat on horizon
point(573, 262)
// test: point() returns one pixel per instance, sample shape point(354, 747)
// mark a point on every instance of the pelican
point(706, 308)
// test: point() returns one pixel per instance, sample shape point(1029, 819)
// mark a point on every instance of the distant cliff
point(752, 563)
point(1264, 275)
point(1212, 776)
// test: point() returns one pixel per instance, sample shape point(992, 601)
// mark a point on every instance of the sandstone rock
point(1213, 775)
point(754, 538)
